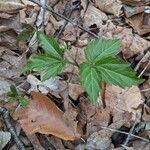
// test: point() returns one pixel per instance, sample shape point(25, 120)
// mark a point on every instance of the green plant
point(27, 32)
point(101, 65)
point(14, 96)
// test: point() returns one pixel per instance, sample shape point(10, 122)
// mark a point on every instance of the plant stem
point(72, 63)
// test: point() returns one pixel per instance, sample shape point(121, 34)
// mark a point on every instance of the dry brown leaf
point(130, 11)
point(111, 6)
point(100, 139)
point(102, 116)
point(146, 113)
point(75, 90)
point(49, 29)
point(6, 16)
point(137, 23)
point(11, 64)
point(94, 16)
point(35, 142)
point(70, 116)
point(84, 4)
point(136, 2)
point(29, 14)
point(75, 54)
point(11, 23)
point(43, 116)
point(70, 33)
point(146, 88)
point(11, 6)
point(122, 100)
point(141, 145)
point(131, 43)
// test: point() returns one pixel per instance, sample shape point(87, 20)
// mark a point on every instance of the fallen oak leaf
point(43, 116)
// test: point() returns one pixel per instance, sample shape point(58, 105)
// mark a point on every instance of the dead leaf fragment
point(111, 6)
point(75, 90)
point(11, 6)
point(43, 116)
point(130, 11)
point(123, 99)
point(94, 16)
point(4, 139)
point(131, 43)
point(137, 22)
point(136, 2)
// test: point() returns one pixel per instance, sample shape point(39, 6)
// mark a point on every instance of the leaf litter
point(70, 115)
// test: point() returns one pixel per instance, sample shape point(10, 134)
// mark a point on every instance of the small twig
point(144, 69)
point(145, 57)
point(6, 117)
point(145, 90)
point(43, 2)
point(131, 131)
point(115, 130)
point(67, 19)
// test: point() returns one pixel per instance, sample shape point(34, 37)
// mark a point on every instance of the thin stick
point(131, 131)
point(145, 90)
point(115, 130)
point(6, 117)
point(144, 69)
point(145, 57)
point(67, 19)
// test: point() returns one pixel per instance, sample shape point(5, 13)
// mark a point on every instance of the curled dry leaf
point(43, 116)
point(111, 6)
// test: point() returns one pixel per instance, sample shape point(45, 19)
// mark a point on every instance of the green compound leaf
point(90, 80)
point(52, 71)
point(50, 45)
point(47, 65)
point(100, 48)
point(117, 72)
point(23, 102)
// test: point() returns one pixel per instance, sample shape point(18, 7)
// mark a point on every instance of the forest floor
point(59, 115)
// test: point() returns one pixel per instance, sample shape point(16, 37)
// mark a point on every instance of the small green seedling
point(14, 96)
point(101, 65)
